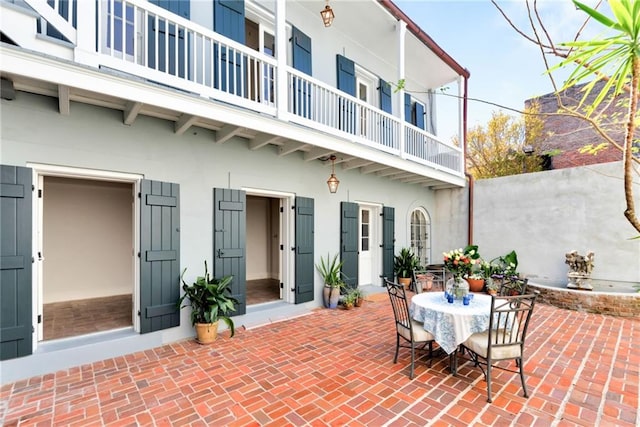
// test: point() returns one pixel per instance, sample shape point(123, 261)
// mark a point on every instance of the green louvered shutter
point(229, 240)
point(388, 239)
point(349, 242)
point(347, 83)
point(159, 255)
point(301, 53)
point(304, 250)
point(166, 37)
point(229, 66)
point(15, 262)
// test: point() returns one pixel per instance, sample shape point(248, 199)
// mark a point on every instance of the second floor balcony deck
point(147, 43)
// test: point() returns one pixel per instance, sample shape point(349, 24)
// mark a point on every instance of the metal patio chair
point(505, 338)
point(410, 331)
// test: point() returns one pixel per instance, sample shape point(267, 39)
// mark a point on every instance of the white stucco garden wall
point(544, 215)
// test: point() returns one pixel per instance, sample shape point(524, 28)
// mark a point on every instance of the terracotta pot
point(476, 285)
point(206, 333)
point(359, 302)
point(405, 281)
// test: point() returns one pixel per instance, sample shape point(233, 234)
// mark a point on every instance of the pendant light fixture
point(333, 182)
point(327, 15)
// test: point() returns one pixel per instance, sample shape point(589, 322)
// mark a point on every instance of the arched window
point(420, 236)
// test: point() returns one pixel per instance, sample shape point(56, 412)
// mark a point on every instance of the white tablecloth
point(451, 324)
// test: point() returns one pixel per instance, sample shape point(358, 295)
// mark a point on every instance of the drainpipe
point(467, 174)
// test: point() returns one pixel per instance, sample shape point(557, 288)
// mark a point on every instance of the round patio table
point(451, 324)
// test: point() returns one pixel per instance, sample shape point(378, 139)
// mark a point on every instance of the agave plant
point(209, 298)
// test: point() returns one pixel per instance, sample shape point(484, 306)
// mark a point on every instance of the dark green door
point(388, 239)
point(229, 239)
point(159, 255)
point(16, 327)
point(349, 243)
point(304, 250)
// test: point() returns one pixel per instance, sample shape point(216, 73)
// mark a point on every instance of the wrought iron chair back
point(505, 338)
point(513, 286)
point(409, 333)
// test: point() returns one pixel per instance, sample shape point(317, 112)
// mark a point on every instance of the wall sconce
point(333, 182)
point(327, 16)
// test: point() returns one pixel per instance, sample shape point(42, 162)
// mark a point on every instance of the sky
point(505, 68)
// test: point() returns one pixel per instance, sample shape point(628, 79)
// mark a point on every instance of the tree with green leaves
point(613, 58)
point(507, 145)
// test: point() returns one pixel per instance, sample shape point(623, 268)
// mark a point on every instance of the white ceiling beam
point(290, 147)
point(131, 111)
point(183, 123)
point(227, 132)
point(389, 172)
point(376, 167)
point(262, 140)
point(355, 163)
point(64, 100)
point(316, 153)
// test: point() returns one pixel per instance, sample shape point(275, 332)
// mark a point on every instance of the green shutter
point(304, 250)
point(388, 239)
point(349, 220)
point(15, 262)
point(159, 255)
point(229, 240)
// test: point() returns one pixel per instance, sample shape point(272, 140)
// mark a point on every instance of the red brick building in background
point(566, 135)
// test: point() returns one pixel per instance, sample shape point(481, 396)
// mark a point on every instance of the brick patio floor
point(334, 367)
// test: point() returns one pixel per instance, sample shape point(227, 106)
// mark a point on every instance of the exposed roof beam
point(415, 179)
point(401, 175)
point(316, 153)
point(373, 168)
point(262, 140)
point(227, 132)
point(443, 186)
point(183, 123)
point(290, 147)
point(389, 172)
point(131, 111)
point(64, 101)
point(356, 163)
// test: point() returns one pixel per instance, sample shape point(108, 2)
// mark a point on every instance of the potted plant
point(358, 296)
point(403, 265)
point(329, 268)
point(492, 286)
point(349, 300)
point(210, 300)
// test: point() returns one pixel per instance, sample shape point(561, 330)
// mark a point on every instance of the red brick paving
point(334, 367)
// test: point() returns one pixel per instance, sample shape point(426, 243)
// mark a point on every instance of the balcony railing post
point(85, 51)
point(402, 32)
point(281, 89)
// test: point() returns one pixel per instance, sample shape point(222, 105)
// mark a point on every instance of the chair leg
point(524, 384)
point(395, 359)
point(488, 378)
point(413, 352)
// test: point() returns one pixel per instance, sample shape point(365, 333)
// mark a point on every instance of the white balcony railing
point(144, 40)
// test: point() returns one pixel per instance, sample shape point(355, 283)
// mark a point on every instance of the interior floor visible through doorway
point(262, 290)
point(86, 316)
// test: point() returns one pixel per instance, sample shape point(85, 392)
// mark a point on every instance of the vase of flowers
point(459, 262)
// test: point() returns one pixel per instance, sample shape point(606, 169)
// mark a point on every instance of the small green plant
point(209, 298)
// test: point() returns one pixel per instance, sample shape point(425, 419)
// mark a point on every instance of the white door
point(369, 262)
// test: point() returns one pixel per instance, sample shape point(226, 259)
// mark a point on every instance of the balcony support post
point(85, 50)
point(401, 30)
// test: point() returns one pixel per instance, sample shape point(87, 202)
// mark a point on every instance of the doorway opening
point(85, 264)
point(265, 242)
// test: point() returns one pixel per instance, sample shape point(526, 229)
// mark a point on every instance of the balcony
point(147, 43)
